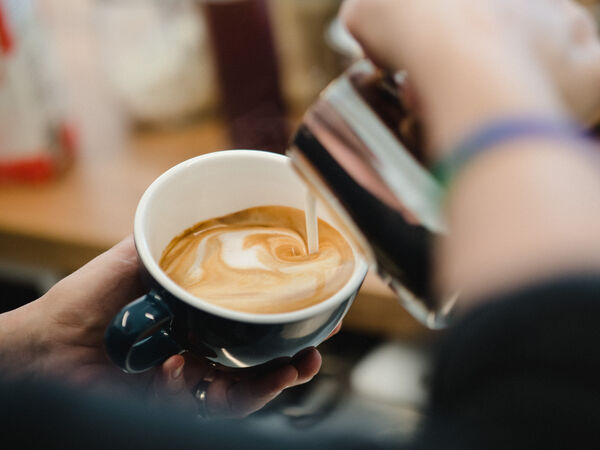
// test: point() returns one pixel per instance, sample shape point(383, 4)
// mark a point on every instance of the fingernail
point(176, 373)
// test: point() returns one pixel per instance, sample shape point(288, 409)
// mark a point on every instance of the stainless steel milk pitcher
point(359, 149)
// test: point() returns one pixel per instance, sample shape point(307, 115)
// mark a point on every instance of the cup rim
point(152, 266)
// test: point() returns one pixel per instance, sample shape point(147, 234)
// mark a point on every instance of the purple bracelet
point(489, 136)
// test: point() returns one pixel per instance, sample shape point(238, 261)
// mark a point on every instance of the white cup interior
point(213, 185)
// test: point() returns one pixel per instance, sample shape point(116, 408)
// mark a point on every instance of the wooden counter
point(62, 224)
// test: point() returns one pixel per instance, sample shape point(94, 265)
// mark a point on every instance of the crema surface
point(257, 261)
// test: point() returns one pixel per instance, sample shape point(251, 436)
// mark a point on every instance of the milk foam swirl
point(257, 261)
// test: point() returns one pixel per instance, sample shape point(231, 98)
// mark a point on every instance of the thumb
point(102, 286)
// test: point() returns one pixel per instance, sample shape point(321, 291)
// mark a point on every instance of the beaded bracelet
point(499, 132)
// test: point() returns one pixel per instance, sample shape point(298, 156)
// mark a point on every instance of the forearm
point(525, 211)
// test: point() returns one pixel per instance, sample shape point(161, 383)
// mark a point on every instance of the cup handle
point(137, 338)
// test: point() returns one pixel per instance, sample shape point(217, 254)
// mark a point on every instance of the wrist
point(22, 347)
point(467, 110)
point(500, 132)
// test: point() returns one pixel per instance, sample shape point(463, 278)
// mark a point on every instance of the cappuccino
point(258, 261)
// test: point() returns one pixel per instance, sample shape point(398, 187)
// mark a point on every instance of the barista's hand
point(232, 394)
point(505, 56)
point(61, 335)
point(511, 212)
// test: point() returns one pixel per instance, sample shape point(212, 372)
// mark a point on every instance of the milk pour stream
point(312, 227)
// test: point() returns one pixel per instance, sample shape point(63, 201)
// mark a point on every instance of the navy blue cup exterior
point(138, 337)
point(158, 325)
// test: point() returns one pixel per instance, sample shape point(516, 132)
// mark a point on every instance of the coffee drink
point(257, 261)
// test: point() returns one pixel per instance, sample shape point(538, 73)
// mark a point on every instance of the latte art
point(257, 260)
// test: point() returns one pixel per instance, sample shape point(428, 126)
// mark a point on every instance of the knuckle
point(350, 13)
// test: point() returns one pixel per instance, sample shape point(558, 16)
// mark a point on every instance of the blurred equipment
point(393, 373)
point(21, 284)
point(307, 62)
point(248, 73)
point(36, 141)
point(157, 58)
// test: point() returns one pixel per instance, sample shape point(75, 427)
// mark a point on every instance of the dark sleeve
point(39, 414)
point(521, 372)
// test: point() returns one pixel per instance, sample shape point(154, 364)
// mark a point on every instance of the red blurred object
point(36, 143)
point(6, 42)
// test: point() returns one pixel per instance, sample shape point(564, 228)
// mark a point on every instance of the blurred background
point(99, 97)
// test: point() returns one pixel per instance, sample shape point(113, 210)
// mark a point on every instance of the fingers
point(229, 398)
point(307, 363)
point(226, 395)
point(196, 369)
point(238, 399)
point(583, 27)
point(170, 379)
point(335, 331)
point(171, 386)
point(181, 373)
point(377, 42)
point(580, 70)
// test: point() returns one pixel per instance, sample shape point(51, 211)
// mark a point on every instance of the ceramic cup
point(169, 320)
